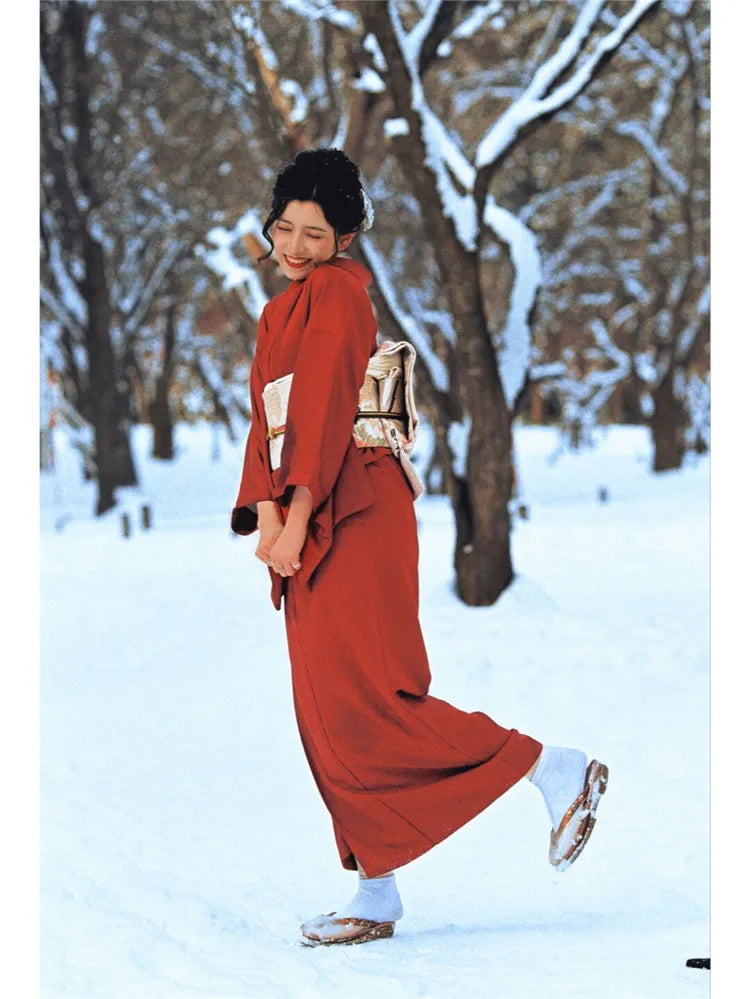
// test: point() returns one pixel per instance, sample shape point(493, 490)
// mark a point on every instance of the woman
point(398, 769)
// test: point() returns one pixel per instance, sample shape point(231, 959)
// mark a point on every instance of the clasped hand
point(280, 545)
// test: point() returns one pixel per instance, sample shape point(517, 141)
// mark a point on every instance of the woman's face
point(302, 239)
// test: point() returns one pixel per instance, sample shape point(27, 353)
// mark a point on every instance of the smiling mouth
point(296, 262)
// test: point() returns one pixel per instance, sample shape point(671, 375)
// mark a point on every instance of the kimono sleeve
point(256, 482)
point(329, 370)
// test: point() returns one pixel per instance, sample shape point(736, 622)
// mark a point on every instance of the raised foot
point(572, 835)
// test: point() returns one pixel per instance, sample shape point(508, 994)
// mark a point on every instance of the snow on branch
point(578, 269)
point(151, 287)
point(438, 317)
point(619, 176)
point(637, 47)
point(368, 80)
point(481, 14)
point(548, 37)
point(679, 8)
point(627, 272)
point(413, 330)
point(415, 39)
point(80, 431)
point(314, 10)
point(635, 130)
point(137, 251)
point(60, 311)
point(607, 346)
point(213, 82)
point(582, 228)
point(47, 86)
point(694, 41)
point(301, 106)
point(442, 151)
point(662, 104)
point(71, 302)
point(342, 129)
point(532, 103)
point(248, 25)
point(697, 396)
point(686, 339)
point(567, 53)
point(370, 44)
point(515, 349)
point(223, 262)
point(548, 371)
point(584, 397)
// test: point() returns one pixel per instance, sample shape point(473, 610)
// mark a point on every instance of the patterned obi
point(386, 415)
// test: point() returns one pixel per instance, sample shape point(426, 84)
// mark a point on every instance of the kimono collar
point(353, 267)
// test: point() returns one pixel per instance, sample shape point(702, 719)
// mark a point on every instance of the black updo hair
point(330, 179)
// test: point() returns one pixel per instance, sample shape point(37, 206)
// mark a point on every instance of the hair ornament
point(369, 212)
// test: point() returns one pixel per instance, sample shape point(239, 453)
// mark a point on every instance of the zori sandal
point(325, 931)
point(570, 837)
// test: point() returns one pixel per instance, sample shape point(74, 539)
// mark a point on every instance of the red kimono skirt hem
point(398, 769)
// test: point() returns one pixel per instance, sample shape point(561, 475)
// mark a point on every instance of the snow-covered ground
point(183, 839)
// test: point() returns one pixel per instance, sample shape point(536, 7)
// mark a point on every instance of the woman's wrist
point(300, 508)
point(268, 513)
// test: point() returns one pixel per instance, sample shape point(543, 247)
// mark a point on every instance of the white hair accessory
point(369, 212)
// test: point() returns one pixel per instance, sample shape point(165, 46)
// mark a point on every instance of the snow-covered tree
point(75, 287)
point(624, 297)
point(138, 143)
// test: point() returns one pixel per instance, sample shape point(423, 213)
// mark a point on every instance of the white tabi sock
point(559, 775)
point(376, 898)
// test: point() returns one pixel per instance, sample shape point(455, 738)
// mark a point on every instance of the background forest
point(539, 173)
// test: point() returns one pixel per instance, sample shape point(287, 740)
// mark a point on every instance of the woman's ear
point(344, 241)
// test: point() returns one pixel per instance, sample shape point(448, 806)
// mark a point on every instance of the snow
point(481, 13)
point(411, 44)
point(688, 334)
point(314, 9)
point(249, 26)
point(458, 442)
point(235, 274)
point(370, 44)
point(183, 839)
point(368, 80)
point(515, 354)
point(395, 126)
point(301, 106)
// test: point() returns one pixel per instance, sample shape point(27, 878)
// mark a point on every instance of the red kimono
point(398, 769)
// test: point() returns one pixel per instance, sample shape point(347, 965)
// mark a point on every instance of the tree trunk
point(159, 412)
point(667, 427)
point(482, 556)
point(162, 445)
point(114, 461)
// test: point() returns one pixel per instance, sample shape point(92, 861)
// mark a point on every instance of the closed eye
point(282, 229)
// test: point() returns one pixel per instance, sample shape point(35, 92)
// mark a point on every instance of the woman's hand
point(266, 541)
point(270, 526)
point(284, 553)
point(280, 544)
